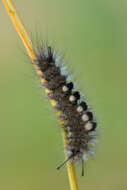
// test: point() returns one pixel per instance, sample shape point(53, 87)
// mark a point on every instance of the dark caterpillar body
point(78, 120)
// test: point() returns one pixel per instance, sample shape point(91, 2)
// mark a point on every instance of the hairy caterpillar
point(79, 123)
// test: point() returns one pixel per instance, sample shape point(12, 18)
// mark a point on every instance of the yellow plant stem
point(70, 169)
point(18, 24)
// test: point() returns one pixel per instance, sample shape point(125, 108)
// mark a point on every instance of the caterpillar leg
point(82, 167)
point(61, 165)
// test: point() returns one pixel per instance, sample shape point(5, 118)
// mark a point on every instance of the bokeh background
point(92, 35)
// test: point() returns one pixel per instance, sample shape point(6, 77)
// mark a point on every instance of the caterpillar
point(79, 122)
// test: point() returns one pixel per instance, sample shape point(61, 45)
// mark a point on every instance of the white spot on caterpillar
point(85, 117)
point(72, 98)
point(79, 109)
point(65, 88)
point(88, 126)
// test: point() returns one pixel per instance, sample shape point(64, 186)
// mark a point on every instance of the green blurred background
point(92, 35)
